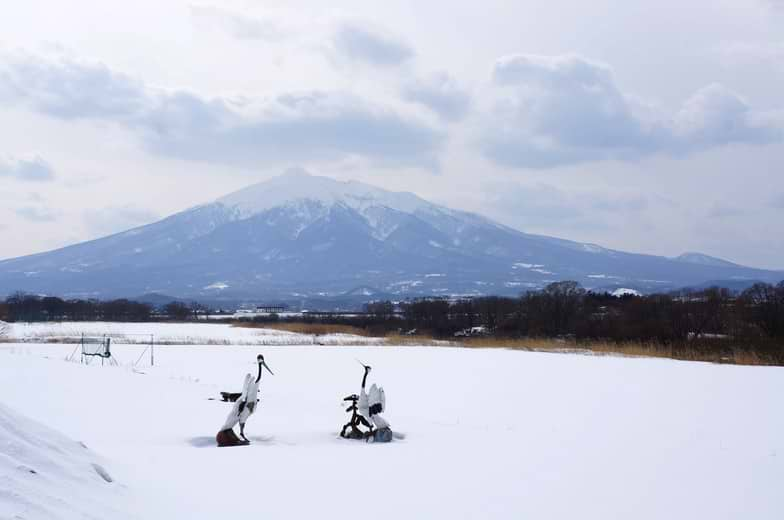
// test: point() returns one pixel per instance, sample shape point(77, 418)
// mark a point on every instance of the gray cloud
point(565, 109)
point(237, 25)
point(72, 90)
point(546, 206)
point(106, 221)
point(441, 94)
point(33, 169)
point(715, 116)
point(312, 125)
point(36, 214)
point(777, 201)
point(361, 44)
point(537, 203)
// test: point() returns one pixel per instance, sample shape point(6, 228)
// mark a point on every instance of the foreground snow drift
point(44, 474)
point(489, 433)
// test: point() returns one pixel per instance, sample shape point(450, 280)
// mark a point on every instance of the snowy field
point(174, 334)
point(489, 434)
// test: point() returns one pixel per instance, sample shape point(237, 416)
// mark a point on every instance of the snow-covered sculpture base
point(382, 431)
point(382, 435)
point(229, 438)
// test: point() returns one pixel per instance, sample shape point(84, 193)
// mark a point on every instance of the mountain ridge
point(299, 235)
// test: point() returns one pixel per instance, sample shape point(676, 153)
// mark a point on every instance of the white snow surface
point(172, 334)
point(44, 474)
point(489, 433)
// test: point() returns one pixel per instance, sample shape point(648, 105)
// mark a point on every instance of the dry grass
point(314, 329)
point(416, 341)
point(715, 354)
point(631, 349)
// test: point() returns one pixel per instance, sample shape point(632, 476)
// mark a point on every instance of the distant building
point(271, 309)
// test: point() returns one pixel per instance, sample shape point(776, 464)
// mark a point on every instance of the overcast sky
point(653, 127)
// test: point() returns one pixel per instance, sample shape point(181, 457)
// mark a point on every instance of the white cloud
point(181, 124)
point(556, 110)
point(715, 115)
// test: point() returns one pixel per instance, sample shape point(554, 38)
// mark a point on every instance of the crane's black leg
point(242, 433)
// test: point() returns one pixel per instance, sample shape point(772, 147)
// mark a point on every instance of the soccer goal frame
point(100, 347)
point(104, 347)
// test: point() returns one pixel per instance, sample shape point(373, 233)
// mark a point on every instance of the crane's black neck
point(364, 378)
point(258, 377)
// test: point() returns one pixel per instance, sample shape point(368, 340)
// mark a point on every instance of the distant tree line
point(753, 319)
point(712, 318)
point(566, 309)
point(29, 307)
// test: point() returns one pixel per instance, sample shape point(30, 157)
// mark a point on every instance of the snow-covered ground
point(44, 474)
point(173, 334)
point(489, 434)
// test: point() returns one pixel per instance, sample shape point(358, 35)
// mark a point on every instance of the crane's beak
point(268, 368)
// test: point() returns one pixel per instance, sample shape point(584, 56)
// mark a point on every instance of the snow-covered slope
point(45, 475)
point(298, 236)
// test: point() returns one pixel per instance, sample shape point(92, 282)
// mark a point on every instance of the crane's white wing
point(376, 399)
point(234, 415)
point(363, 407)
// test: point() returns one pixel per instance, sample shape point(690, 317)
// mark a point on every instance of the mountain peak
point(296, 173)
point(296, 185)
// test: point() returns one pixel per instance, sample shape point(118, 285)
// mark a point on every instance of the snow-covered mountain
point(701, 259)
point(301, 236)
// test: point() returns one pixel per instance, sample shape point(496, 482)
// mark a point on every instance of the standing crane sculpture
point(243, 408)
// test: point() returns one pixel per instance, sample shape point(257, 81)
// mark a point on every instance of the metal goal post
point(107, 346)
